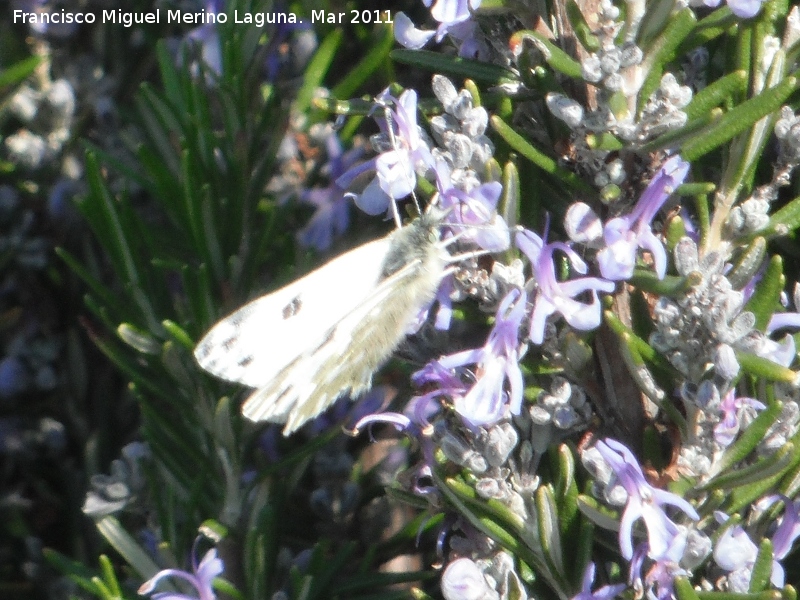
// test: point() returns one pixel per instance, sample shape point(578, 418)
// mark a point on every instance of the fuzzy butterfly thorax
point(419, 240)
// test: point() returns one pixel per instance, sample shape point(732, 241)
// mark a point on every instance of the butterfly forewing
point(351, 351)
point(258, 341)
point(327, 333)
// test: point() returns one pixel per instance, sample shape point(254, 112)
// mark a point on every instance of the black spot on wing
point(292, 308)
point(244, 361)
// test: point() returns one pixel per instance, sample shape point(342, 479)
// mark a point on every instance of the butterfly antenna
point(396, 146)
point(387, 114)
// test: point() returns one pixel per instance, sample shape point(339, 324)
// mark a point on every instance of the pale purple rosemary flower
point(404, 150)
point(624, 235)
point(744, 9)
point(736, 553)
point(200, 579)
point(732, 411)
point(784, 351)
point(583, 225)
point(486, 401)
point(415, 422)
point(604, 593)
point(783, 320)
point(454, 18)
point(788, 530)
point(464, 580)
point(789, 527)
point(473, 207)
point(332, 214)
point(553, 296)
point(346, 410)
point(645, 502)
point(660, 577)
point(446, 380)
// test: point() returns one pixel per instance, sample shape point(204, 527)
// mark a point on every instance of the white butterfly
point(327, 333)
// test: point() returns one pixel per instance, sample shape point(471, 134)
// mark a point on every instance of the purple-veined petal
point(632, 512)
point(395, 174)
point(399, 421)
point(583, 317)
point(373, 200)
point(617, 260)
point(346, 179)
point(463, 580)
point(783, 352)
point(485, 403)
point(735, 549)
point(649, 241)
point(450, 11)
point(781, 320)
point(573, 287)
point(542, 309)
point(408, 35)
point(530, 243)
point(745, 9)
point(671, 174)
point(493, 236)
point(616, 229)
point(575, 260)
point(582, 224)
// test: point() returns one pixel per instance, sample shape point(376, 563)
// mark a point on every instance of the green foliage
point(186, 228)
point(185, 231)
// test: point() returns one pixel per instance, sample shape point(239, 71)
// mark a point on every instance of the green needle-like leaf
point(123, 543)
point(549, 533)
point(555, 56)
point(765, 368)
point(749, 439)
point(582, 29)
point(371, 62)
point(775, 464)
point(748, 263)
point(762, 569)
point(317, 69)
point(716, 94)
point(538, 158)
point(18, 72)
point(663, 51)
point(739, 119)
point(766, 297)
point(436, 62)
point(785, 219)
